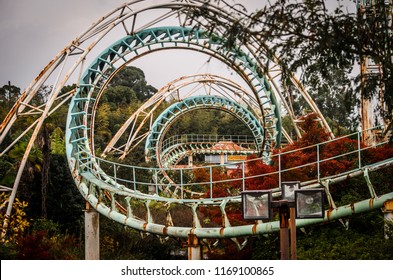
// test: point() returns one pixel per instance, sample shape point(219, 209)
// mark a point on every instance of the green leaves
point(18, 222)
point(328, 44)
point(57, 142)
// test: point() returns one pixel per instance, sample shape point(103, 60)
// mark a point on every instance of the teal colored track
point(166, 119)
point(146, 41)
point(116, 190)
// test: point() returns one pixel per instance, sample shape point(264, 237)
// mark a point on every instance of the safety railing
point(223, 181)
point(206, 138)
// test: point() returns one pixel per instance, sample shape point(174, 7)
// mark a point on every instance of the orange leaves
point(379, 154)
point(314, 133)
point(260, 176)
point(310, 158)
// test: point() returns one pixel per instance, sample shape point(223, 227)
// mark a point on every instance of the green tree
point(119, 242)
point(133, 78)
point(34, 162)
point(8, 96)
point(64, 202)
point(309, 38)
point(102, 130)
point(57, 142)
point(46, 241)
point(363, 240)
point(18, 222)
point(335, 98)
point(208, 121)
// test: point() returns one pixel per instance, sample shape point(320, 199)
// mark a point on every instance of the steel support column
point(388, 217)
point(284, 232)
point(92, 233)
point(292, 226)
point(194, 248)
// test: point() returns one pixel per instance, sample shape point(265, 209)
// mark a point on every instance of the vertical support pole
point(366, 121)
point(115, 172)
point(181, 184)
point(152, 189)
point(134, 177)
point(284, 231)
point(292, 226)
point(366, 114)
point(222, 159)
point(279, 169)
point(190, 161)
point(318, 163)
point(388, 217)
point(243, 178)
point(359, 151)
point(211, 182)
point(92, 233)
point(193, 247)
point(156, 184)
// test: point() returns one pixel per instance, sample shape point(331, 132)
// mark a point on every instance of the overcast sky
point(32, 32)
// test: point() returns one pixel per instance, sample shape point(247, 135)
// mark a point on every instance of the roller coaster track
point(121, 192)
point(166, 118)
point(94, 183)
point(175, 148)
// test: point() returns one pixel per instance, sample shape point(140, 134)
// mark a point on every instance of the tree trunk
point(45, 168)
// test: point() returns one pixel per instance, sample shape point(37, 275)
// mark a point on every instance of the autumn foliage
point(18, 222)
point(297, 161)
point(300, 159)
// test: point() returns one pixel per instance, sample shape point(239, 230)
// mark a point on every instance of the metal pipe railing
point(206, 138)
point(115, 171)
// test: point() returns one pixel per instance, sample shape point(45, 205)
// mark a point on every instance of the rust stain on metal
point(223, 216)
point(50, 64)
point(121, 208)
point(329, 213)
point(145, 226)
point(388, 205)
point(192, 240)
point(254, 228)
point(75, 172)
point(222, 230)
point(353, 208)
point(95, 221)
point(165, 231)
point(371, 202)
